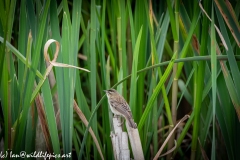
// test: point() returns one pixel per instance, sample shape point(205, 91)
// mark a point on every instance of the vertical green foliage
point(66, 88)
point(140, 22)
point(93, 73)
point(155, 93)
point(112, 11)
point(200, 81)
point(75, 30)
point(31, 77)
point(122, 43)
point(22, 39)
point(102, 47)
point(54, 23)
point(133, 89)
point(65, 113)
point(235, 91)
point(7, 20)
point(30, 126)
point(183, 53)
point(225, 116)
point(29, 145)
point(157, 73)
point(163, 28)
point(32, 18)
point(194, 23)
point(5, 103)
point(230, 17)
point(214, 81)
point(174, 19)
point(105, 82)
point(47, 97)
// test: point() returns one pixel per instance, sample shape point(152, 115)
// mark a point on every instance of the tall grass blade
point(30, 81)
point(133, 89)
point(65, 105)
point(233, 66)
point(50, 115)
point(214, 82)
point(199, 83)
point(230, 18)
point(155, 93)
point(5, 102)
point(93, 74)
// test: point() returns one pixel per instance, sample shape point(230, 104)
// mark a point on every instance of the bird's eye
point(110, 91)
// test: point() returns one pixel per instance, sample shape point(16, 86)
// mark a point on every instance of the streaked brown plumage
point(119, 106)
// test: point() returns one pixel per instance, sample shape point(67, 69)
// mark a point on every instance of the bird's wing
point(122, 107)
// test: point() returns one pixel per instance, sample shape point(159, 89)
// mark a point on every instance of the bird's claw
point(121, 124)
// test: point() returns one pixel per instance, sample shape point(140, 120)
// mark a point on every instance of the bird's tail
point(131, 123)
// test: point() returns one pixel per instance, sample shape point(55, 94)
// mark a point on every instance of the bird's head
point(110, 92)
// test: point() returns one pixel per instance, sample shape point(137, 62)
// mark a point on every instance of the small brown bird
point(119, 106)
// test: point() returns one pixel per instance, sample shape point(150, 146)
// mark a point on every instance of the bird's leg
point(121, 122)
point(116, 116)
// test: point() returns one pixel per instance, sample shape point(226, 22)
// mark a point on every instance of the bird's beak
point(105, 90)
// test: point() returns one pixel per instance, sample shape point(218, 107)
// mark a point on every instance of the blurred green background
point(167, 58)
